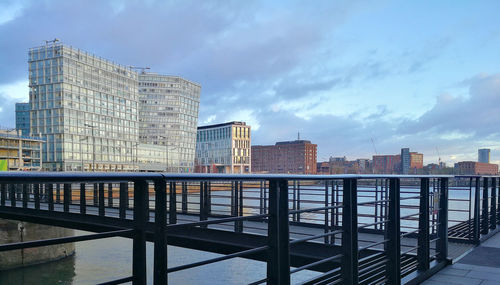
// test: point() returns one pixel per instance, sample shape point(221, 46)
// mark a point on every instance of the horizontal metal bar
point(118, 281)
point(45, 242)
point(217, 259)
point(218, 221)
point(315, 237)
point(314, 209)
point(315, 263)
point(372, 245)
point(372, 224)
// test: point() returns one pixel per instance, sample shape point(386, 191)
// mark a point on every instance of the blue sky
point(418, 74)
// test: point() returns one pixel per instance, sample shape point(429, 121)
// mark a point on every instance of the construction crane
point(439, 157)
point(142, 69)
point(374, 148)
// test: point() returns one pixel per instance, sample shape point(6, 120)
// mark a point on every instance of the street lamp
point(93, 145)
point(81, 154)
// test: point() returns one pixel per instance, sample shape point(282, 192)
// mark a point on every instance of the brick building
point(475, 168)
point(297, 157)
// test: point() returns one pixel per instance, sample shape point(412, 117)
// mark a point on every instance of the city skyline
point(339, 73)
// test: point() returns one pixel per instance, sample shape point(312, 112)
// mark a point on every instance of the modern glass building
point(23, 118)
point(224, 148)
point(85, 108)
point(168, 116)
point(19, 153)
point(483, 155)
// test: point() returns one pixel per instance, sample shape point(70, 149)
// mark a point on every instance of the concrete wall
point(16, 231)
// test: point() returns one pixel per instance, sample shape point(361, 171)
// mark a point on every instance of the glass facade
point(85, 108)
point(23, 118)
point(224, 148)
point(168, 116)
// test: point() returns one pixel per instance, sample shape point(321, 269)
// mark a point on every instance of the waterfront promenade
point(480, 266)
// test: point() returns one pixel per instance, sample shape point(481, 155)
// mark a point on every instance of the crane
point(374, 148)
point(52, 41)
point(439, 156)
point(142, 69)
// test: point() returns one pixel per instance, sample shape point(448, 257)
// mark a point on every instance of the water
point(108, 259)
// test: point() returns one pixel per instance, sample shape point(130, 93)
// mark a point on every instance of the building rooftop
point(222, 125)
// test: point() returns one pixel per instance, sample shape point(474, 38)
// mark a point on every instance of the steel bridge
point(350, 229)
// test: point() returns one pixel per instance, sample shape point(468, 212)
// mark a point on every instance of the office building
point(168, 116)
point(483, 155)
point(297, 157)
point(85, 108)
point(23, 118)
point(19, 152)
point(223, 148)
point(405, 160)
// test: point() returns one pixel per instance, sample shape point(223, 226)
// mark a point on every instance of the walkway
point(481, 266)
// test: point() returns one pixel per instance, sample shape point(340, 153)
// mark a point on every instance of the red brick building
point(386, 164)
point(475, 168)
point(297, 157)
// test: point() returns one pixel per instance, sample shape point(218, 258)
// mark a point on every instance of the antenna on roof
point(142, 69)
point(298, 136)
point(52, 41)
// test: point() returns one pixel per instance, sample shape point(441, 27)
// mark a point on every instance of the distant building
point(23, 118)
point(20, 152)
point(323, 168)
point(386, 164)
point(405, 160)
point(168, 116)
point(416, 160)
point(223, 148)
point(475, 168)
point(297, 157)
point(483, 155)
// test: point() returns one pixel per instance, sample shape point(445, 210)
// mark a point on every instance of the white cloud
point(18, 90)
point(10, 10)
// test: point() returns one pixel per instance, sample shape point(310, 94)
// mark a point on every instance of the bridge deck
point(480, 266)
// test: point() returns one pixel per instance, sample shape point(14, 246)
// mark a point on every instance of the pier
point(350, 229)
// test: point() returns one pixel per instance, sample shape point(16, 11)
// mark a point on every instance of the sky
point(354, 77)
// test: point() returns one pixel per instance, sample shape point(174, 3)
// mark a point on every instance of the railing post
point(160, 246)
point(110, 195)
point(240, 209)
point(349, 267)
point(172, 214)
point(326, 226)
point(139, 240)
point(25, 196)
point(3, 195)
point(333, 211)
point(101, 199)
point(236, 204)
point(484, 216)
point(261, 199)
point(203, 189)
point(36, 191)
point(58, 193)
point(393, 250)
point(184, 198)
point(122, 208)
point(67, 196)
point(477, 215)
point(493, 212)
point(95, 195)
point(298, 200)
point(423, 250)
point(50, 196)
point(442, 242)
point(12, 195)
point(278, 263)
point(83, 199)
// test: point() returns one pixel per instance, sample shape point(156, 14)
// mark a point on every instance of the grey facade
point(168, 116)
point(483, 155)
point(405, 160)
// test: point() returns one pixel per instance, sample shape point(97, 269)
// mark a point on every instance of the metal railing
point(349, 229)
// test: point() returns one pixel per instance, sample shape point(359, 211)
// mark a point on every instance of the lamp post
point(93, 146)
point(81, 154)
